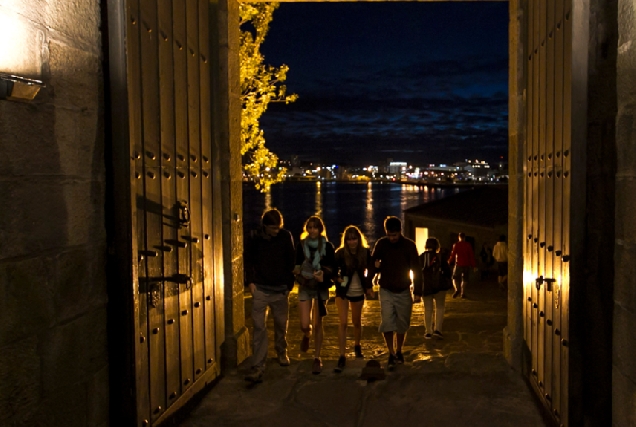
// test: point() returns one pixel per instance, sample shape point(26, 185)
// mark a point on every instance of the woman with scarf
point(314, 272)
point(352, 283)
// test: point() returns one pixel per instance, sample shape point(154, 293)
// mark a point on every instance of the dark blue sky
point(417, 82)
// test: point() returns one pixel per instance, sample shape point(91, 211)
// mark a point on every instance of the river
point(339, 204)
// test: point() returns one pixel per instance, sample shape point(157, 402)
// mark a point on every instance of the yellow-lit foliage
point(260, 85)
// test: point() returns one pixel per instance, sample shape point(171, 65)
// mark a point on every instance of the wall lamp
point(14, 88)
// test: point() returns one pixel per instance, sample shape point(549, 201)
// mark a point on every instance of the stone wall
point(597, 306)
point(624, 345)
point(446, 232)
point(53, 342)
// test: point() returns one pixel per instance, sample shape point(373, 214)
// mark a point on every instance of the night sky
point(416, 82)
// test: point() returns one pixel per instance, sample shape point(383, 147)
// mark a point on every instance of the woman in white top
point(352, 283)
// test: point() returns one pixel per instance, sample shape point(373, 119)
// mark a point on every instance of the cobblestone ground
point(462, 380)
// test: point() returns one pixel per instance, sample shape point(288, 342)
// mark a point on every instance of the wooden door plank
point(558, 210)
point(181, 137)
point(194, 132)
point(209, 331)
point(549, 200)
point(169, 200)
point(142, 376)
point(153, 202)
point(567, 200)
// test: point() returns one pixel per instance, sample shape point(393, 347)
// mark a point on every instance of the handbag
point(306, 276)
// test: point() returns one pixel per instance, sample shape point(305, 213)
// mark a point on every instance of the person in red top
point(463, 257)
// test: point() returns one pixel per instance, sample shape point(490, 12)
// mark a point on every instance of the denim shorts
point(306, 294)
point(395, 309)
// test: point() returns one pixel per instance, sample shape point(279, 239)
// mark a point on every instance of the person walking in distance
point(314, 270)
point(436, 281)
point(352, 283)
point(269, 264)
point(463, 257)
point(395, 258)
point(500, 253)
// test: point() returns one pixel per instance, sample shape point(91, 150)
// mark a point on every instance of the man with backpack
point(436, 281)
point(269, 264)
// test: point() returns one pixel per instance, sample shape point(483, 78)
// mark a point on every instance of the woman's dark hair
point(432, 243)
point(272, 217)
point(392, 224)
point(502, 238)
point(315, 220)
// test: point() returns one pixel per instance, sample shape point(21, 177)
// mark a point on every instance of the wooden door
point(169, 99)
point(548, 219)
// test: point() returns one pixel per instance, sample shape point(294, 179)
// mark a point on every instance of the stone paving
point(462, 380)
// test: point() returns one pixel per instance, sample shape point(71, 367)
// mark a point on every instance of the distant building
point(481, 213)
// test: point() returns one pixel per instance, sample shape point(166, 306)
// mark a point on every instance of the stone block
point(624, 342)
point(79, 143)
point(19, 381)
point(625, 208)
point(97, 399)
point(625, 276)
point(78, 21)
point(74, 352)
point(623, 403)
point(26, 303)
point(626, 143)
point(67, 406)
point(34, 217)
point(32, 124)
point(84, 213)
point(79, 282)
point(76, 79)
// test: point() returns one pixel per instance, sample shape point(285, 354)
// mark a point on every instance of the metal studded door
point(168, 80)
point(550, 97)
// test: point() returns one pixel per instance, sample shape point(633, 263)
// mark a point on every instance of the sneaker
point(455, 294)
point(283, 359)
point(316, 367)
point(463, 296)
point(428, 336)
point(438, 335)
point(255, 375)
point(304, 344)
point(399, 357)
point(358, 351)
point(390, 365)
point(342, 361)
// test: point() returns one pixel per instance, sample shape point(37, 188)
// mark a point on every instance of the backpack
point(434, 278)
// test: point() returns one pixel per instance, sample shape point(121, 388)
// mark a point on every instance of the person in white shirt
point(500, 253)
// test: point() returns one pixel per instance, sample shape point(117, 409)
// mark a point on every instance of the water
point(339, 204)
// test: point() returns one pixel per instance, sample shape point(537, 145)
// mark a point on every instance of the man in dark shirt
point(269, 265)
point(395, 257)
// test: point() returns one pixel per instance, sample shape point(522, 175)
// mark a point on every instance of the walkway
point(462, 380)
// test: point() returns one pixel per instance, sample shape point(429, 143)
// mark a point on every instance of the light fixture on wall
point(23, 51)
point(18, 88)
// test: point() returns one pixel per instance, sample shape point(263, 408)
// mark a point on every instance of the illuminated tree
point(260, 85)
